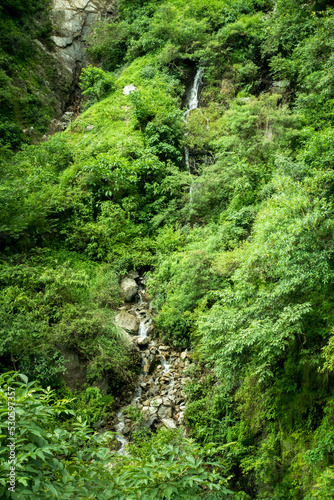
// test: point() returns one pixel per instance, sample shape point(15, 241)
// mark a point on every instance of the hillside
point(200, 166)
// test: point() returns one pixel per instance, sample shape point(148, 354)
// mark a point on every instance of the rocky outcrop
point(73, 21)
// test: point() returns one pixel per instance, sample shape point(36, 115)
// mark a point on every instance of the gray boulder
point(129, 288)
point(169, 423)
point(126, 321)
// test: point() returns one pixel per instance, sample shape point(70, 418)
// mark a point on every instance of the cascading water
point(159, 393)
point(192, 104)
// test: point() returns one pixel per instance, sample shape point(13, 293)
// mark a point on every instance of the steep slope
point(238, 255)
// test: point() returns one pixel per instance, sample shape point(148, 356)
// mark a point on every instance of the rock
point(183, 355)
point(227, 87)
point(133, 275)
point(150, 329)
point(142, 342)
point(146, 296)
point(128, 89)
point(165, 412)
point(129, 288)
point(169, 423)
point(76, 370)
point(146, 368)
point(167, 402)
point(153, 409)
point(125, 320)
point(156, 401)
point(89, 128)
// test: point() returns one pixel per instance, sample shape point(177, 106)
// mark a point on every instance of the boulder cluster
point(159, 397)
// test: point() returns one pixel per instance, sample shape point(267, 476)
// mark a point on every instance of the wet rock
point(129, 288)
point(125, 320)
point(146, 297)
point(184, 354)
point(142, 342)
point(169, 423)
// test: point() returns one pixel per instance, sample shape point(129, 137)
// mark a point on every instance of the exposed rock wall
point(73, 20)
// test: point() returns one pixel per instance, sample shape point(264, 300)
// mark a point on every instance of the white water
point(192, 104)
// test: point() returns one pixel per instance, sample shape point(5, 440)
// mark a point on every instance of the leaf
point(191, 459)
point(52, 489)
point(23, 377)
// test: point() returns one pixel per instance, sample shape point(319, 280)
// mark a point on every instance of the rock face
point(74, 20)
point(127, 321)
point(129, 288)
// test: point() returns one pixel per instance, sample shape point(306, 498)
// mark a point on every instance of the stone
point(89, 128)
point(156, 401)
point(146, 296)
point(143, 341)
point(153, 409)
point(167, 402)
point(129, 288)
point(128, 89)
point(227, 87)
point(165, 412)
point(169, 423)
point(125, 320)
point(133, 275)
point(183, 355)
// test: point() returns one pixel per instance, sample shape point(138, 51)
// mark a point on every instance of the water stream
point(158, 394)
point(192, 104)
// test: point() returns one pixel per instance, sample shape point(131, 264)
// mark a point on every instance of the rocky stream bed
point(159, 394)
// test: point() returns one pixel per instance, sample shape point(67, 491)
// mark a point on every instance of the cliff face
point(73, 20)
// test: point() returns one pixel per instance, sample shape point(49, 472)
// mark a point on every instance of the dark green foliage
point(25, 100)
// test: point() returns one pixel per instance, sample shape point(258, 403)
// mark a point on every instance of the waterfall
point(192, 104)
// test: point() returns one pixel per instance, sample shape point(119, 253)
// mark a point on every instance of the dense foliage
point(241, 271)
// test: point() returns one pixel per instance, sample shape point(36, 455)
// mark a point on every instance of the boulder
point(169, 423)
point(156, 401)
point(165, 412)
point(128, 89)
point(129, 288)
point(126, 321)
point(143, 341)
point(167, 402)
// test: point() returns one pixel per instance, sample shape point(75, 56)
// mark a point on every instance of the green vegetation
point(241, 272)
